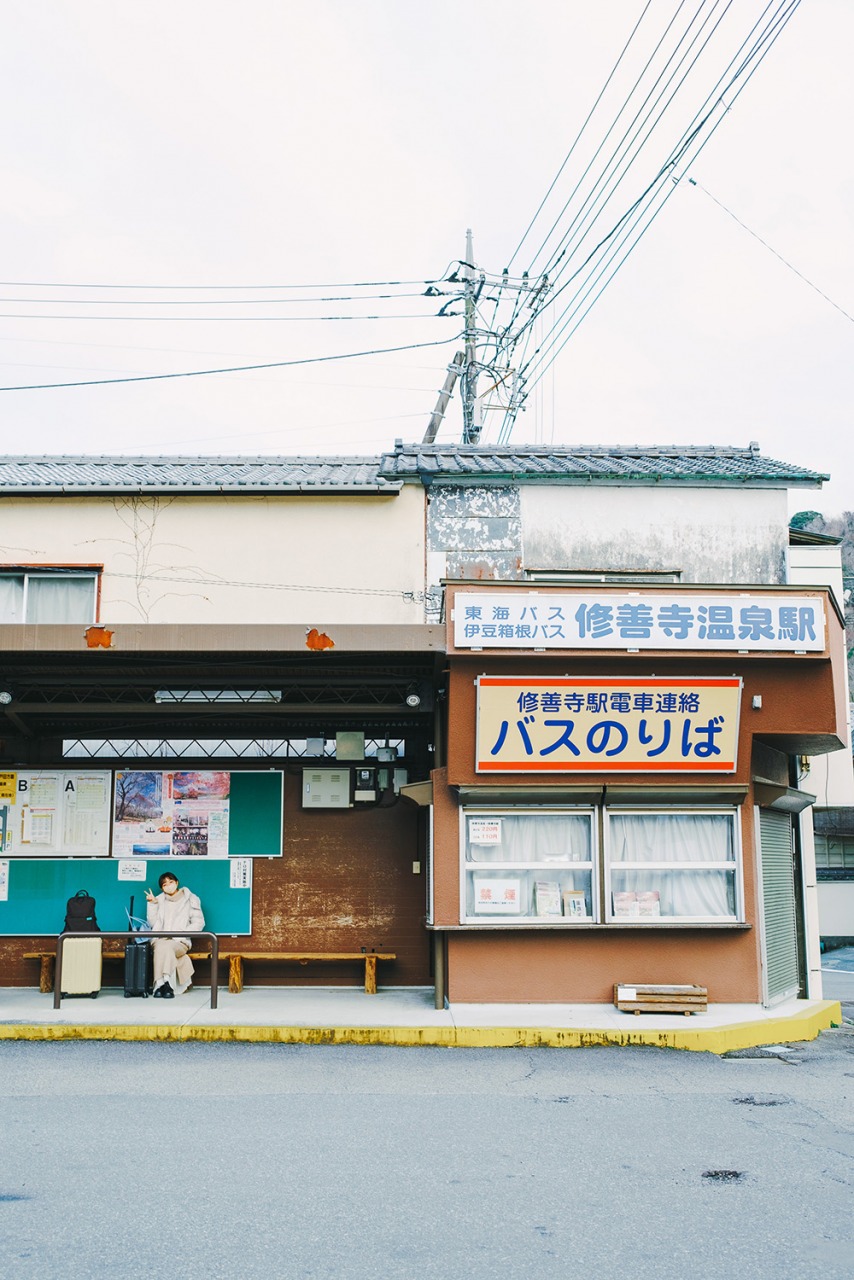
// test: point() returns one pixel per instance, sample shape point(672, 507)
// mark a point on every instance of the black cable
point(611, 128)
point(358, 284)
point(579, 134)
point(212, 302)
point(624, 163)
point(694, 183)
point(679, 152)
point(246, 368)
point(24, 315)
point(518, 306)
point(780, 20)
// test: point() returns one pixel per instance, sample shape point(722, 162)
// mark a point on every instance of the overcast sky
point(280, 143)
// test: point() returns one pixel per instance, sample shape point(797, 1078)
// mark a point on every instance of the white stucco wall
point(265, 558)
point(836, 909)
point(706, 534)
point(817, 567)
point(830, 777)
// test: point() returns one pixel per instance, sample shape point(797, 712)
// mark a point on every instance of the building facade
point(179, 628)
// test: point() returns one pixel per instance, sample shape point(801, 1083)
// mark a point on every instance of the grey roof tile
point(711, 464)
point(81, 474)
point(408, 462)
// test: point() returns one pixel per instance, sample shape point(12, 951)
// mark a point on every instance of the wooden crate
point(646, 997)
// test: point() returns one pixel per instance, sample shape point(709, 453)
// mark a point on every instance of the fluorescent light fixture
point(218, 695)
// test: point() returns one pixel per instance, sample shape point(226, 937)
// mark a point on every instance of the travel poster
point(184, 814)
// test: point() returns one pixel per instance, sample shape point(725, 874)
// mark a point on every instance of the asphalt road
point(348, 1163)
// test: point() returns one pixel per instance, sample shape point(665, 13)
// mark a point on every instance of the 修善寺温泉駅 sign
point(709, 621)
point(563, 724)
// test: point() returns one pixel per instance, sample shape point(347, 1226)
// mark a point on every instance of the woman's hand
point(149, 896)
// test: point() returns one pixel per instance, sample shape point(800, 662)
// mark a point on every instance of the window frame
point(600, 866)
point(54, 573)
point(590, 866)
point(735, 866)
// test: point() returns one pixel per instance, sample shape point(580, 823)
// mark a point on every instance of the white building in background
point(815, 558)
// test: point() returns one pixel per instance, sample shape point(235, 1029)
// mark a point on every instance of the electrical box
point(365, 784)
point(349, 745)
point(326, 789)
point(401, 777)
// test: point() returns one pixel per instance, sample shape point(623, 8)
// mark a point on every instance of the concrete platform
point(399, 1016)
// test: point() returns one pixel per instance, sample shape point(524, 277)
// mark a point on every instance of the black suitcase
point(139, 964)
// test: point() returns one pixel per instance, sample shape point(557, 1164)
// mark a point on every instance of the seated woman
point(174, 908)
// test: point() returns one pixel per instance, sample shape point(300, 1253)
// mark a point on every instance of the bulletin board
point(50, 812)
point(203, 814)
point(34, 893)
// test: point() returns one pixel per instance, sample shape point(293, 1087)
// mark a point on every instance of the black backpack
point(80, 914)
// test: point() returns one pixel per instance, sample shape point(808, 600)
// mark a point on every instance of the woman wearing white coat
point(173, 909)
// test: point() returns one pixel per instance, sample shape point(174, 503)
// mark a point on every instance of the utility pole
point(471, 430)
point(454, 371)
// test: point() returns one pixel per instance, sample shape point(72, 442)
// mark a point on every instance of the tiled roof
point(674, 463)
point(386, 474)
point(191, 475)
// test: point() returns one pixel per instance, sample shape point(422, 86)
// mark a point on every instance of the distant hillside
point(838, 527)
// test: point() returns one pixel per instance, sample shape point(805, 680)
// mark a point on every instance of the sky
point(226, 168)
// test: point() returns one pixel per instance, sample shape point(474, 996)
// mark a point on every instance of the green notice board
point(255, 824)
point(39, 888)
point(182, 813)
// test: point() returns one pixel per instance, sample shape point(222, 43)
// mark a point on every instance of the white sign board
point(636, 620)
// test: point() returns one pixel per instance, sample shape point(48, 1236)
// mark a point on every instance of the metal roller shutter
point(778, 894)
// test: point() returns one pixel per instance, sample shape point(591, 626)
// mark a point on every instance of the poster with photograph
point(58, 812)
point(184, 814)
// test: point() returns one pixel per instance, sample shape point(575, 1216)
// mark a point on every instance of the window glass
point(676, 865)
point(834, 852)
point(521, 865)
point(11, 597)
point(60, 598)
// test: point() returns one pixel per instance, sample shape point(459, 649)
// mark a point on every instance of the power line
point(246, 368)
point(358, 284)
point(729, 79)
point(780, 19)
point(552, 262)
point(578, 136)
point(212, 302)
point(265, 586)
point(16, 315)
point(616, 162)
point(694, 183)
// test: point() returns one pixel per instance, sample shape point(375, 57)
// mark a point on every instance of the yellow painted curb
point(799, 1026)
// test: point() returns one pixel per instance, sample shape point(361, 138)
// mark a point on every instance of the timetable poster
point(54, 812)
point(183, 814)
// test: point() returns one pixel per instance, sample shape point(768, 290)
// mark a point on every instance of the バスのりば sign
point(563, 724)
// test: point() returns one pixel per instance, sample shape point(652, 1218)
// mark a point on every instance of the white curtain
point(556, 838)
point(60, 599)
point(11, 598)
point(533, 837)
point(663, 838)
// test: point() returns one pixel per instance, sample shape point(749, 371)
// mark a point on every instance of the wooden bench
point(646, 997)
point(236, 960)
point(48, 963)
